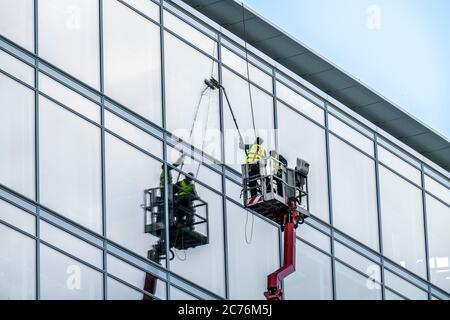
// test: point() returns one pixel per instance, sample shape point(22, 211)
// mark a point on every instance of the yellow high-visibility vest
point(255, 153)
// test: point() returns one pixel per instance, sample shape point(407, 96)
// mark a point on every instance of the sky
point(400, 48)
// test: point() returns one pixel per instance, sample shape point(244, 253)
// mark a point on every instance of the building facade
point(94, 96)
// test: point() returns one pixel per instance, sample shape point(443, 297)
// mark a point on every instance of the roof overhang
point(291, 53)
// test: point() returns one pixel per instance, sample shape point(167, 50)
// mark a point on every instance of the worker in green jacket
point(184, 196)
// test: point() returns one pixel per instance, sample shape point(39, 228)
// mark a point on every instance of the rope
point(248, 70)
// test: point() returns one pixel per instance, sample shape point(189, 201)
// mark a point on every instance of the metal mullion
point(17, 229)
point(425, 230)
point(14, 78)
point(12, 203)
point(222, 174)
point(103, 149)
point(330, 204)
point(12, 54)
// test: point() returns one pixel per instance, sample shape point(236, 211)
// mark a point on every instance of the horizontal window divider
point(131, 144)
point(437, 198)
point(304, 93)
point(328, 254)
point(396, 292)
point(439, 293)
point(8, 75)
point(60, 104)
point(410, 159)
point(351, 122)
point(135, 260)
point(252, 59)
point(406, 274)
point(73, 88)
point(140, 12)
point(71, 81)
point(196, 180)
point(29, 61)
point(185, 17)
point(17, 229)
point(71, 232)
point(17, 51)
point(132, 286)
point(56, 248)
point(372, 157)
point(134, 119)
point(287, 105)
point(376, 260)
point(244, 77)
point(358, 271)
point(19, 200)
point(193, 289)
point(399, 175)
point(66, 224)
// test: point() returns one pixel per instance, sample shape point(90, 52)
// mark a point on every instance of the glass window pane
point(69, 36)
point(69, 98)
point(63, 278)
point(370, 268)
point(402, 220)
point(190, 33)
point(233, 190)
point(119, 291)
point(17, 265)
point(17, 137)
point(237, 90)
point(354, 193)
point(133, 134)
point(184, 88)
point(70, 165)
point(71, 244)
point(403, 287)
point(300, 138)
point(314, 237)
point(312, 278)
point(351, 285)
point(16, 217)
point(437, 189)
point(350, 134)
point(16, 68)
point(239, 64)
point(402, 167)
point(129, 173)
point(132, 60)
point(389, 295)
point(134, 276)
point(177, 294)
point(17, 22)
point(248, 264)
point(147, 7)
point(438, 218)
point(300, 103)
point(190, 264)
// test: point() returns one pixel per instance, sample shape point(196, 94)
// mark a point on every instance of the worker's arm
point(179, 161)
point(243, 146)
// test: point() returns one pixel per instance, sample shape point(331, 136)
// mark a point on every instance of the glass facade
point(97, 101)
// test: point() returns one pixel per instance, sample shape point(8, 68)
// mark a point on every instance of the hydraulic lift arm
point(274, 280)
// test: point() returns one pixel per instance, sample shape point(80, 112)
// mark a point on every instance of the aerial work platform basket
point(268, 187)
point(188, 220)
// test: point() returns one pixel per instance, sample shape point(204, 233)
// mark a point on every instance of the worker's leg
point(253, 176)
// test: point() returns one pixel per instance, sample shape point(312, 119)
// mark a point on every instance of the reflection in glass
point(300, 138)
point(185, 90)
point(17, 265)
point(132, 60)
point(354, 193)
point(17, 137)
point(402, 220)
point(70, 166)
point(69, 34)
point(63, 278)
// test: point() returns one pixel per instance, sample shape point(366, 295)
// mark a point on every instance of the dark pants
point(253, 173)
point(184, 212)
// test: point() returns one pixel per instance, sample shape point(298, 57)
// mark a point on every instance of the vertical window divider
point(330, 203)
point(164, 124)
point(36, 148)
point(222, 146)
point(425, 229)
point(380, 228)
point(103, 150)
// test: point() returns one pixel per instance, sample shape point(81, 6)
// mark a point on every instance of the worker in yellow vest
point(255, 153)
point(184, 196)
